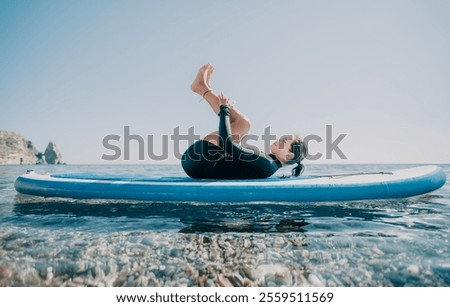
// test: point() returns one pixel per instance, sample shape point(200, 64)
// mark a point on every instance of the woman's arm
point(257, 160)
point(239, 123)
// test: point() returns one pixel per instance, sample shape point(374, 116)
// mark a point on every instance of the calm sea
point(48, 242)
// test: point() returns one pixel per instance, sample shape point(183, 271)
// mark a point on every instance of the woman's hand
point(224, 100)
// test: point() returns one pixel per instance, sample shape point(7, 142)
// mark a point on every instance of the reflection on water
point(200, 217)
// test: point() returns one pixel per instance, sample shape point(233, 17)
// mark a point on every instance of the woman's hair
point(300, 151)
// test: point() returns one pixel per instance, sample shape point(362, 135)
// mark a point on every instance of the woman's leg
point(199, 161)
point(240, 124)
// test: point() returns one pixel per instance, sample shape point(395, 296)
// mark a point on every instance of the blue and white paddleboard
point(395, 184)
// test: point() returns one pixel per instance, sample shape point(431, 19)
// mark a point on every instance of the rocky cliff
point(52, 154)
point(16, 149)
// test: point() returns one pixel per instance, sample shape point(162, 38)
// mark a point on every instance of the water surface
point(403, 242)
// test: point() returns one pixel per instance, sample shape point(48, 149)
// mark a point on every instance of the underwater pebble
point(183, 281)
point(210, 283)
point(80, 267)
point(315, 281)
point(29, 277)
point(248, 273)
point(247, 243)
point(78, 281)
point(49, 276)
point(223, 281)
point(175, 252)
point(377, 251)
point(413, 269)
point(279, 242)
point(305, 254)
point(236, 280)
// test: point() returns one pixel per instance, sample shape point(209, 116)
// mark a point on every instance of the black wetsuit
point(204, 160)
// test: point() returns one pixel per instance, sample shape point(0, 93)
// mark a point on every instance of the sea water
point(67, 242)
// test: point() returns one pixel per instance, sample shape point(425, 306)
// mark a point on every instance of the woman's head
point(290, 149)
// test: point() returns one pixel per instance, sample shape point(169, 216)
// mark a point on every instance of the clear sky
point(379, 71)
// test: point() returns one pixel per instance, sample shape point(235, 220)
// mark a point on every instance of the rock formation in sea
point(16, 149)
point(52, 154)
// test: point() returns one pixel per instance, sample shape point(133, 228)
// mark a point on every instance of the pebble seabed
point(174, 259)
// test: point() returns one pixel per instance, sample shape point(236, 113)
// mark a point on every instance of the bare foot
point(201, 83)
point(209, 72)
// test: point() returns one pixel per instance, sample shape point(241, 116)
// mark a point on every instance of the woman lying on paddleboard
point(220, 156)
